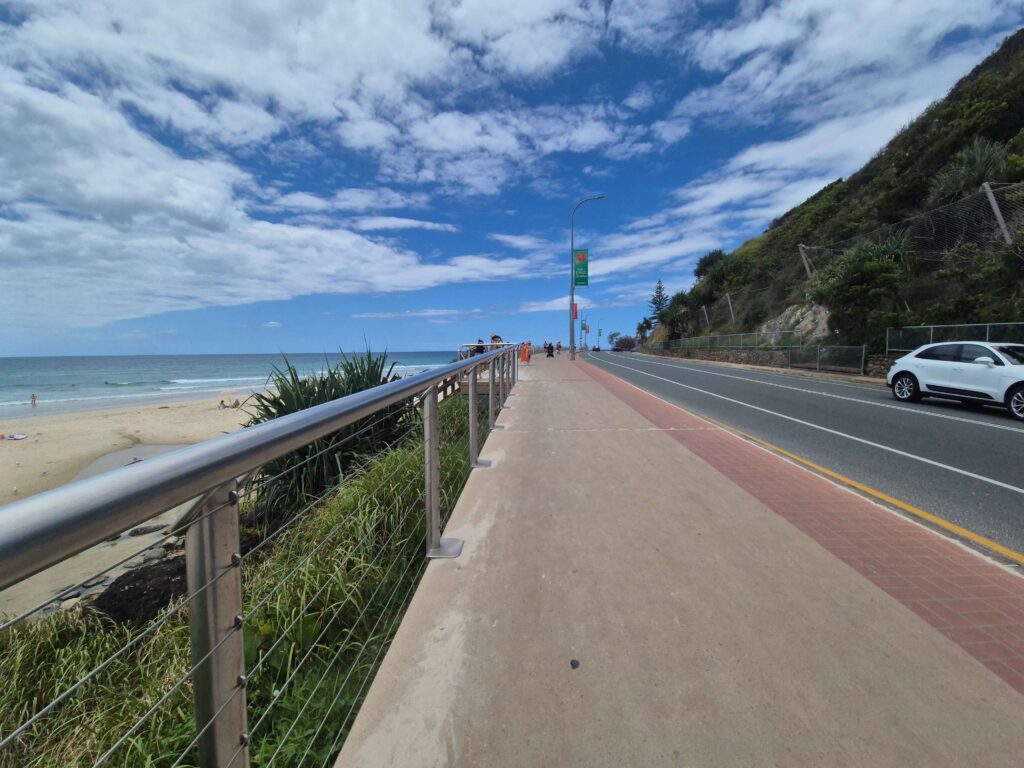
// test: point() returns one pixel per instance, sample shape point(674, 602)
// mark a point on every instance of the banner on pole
point(575, 311)
point(580, 267)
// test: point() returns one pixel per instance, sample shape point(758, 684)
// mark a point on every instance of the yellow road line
point(978, 539)
point(909, 508)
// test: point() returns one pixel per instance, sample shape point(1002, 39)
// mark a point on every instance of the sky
point(307, 175)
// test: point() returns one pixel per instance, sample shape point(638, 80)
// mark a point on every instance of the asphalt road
point(964, 464)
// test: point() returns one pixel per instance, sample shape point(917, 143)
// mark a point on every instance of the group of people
point(526, 350)
point(224, 405)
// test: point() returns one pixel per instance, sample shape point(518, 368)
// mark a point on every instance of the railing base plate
point(481, 464)
point(448, 549)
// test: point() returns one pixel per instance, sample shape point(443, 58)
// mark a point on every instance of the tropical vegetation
point(874, 275)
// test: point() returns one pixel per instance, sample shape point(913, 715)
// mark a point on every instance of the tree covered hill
point(950, 265)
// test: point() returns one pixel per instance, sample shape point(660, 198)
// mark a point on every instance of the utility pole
point(572, 277)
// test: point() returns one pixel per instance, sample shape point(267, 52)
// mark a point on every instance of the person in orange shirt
point(524, 353)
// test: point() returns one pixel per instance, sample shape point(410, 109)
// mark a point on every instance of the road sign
point(580, 264)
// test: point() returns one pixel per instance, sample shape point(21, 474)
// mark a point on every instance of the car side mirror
point(985, 360)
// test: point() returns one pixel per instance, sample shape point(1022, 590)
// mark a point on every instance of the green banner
point(580, 267)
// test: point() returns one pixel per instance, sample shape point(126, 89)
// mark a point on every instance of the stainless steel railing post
point(474, 447)
point(490, 396)
point(501, 380)
point(214, 576)
point(436, 546)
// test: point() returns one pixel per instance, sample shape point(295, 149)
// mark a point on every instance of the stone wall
point(879, 365)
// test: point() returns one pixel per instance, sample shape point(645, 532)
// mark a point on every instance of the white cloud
point(374, 223)
point(522, 242)
point(272, 324)
point(555, 305)
point(434, 313)
point(801, 54)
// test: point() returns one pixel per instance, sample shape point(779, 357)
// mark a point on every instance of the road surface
point(963, 464)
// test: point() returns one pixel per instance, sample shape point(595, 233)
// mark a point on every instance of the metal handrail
point(44, 529)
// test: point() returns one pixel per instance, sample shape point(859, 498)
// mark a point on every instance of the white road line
point(837, 433)
point(776, 374)
point(893, 406)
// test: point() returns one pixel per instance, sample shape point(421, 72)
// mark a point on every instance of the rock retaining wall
point(878, 365)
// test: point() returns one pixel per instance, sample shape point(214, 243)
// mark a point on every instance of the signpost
point(580, 267)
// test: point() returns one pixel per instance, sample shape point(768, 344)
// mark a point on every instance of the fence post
point(214, 578)
point(931, 334)
point(817, 357)
point(474, 439)
point(998, 214)
point(501, 381)
point(988, 330)
point(490, 396)
point(803, 258)
point(863, 357)
point(436, 546)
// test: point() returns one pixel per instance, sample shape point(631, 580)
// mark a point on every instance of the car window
point(946, 352)
point(971, 352)
point(1015, 352)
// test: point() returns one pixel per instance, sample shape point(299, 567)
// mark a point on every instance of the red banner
point(575, 311)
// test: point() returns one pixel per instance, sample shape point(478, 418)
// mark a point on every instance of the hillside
point(873, 268)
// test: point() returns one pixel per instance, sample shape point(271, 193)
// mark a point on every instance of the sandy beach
point(59, 446)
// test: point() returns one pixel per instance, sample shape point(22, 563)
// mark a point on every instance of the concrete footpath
point(640, 587)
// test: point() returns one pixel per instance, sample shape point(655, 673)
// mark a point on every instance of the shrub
point(292, 481)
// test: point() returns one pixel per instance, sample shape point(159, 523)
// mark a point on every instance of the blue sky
point(302, 176)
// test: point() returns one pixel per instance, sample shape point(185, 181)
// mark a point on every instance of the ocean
point(65, 384)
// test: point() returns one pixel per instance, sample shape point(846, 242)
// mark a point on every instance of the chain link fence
point(910, 338)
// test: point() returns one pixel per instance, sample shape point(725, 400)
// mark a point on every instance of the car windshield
point(1015, 352)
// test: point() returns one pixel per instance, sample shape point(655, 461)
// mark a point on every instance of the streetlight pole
point(572, 278)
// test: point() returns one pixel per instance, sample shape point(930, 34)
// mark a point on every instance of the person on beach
point(33, 400)
point(479, 349)
point(558, 348)
point(221, 405)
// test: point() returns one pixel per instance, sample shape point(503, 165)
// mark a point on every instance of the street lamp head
point(597, 197)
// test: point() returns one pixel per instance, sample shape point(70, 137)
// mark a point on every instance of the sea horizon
point(76, 383)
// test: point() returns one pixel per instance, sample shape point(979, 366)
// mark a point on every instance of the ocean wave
point(213, 381)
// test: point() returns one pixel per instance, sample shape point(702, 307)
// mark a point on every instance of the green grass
point(333, 616)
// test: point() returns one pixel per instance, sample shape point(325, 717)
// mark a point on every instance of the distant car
point(968, 371)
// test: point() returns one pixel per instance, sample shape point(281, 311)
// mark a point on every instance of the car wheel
point(905, 389)
point(1015, 402)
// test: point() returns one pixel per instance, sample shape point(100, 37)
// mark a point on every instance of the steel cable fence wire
point(137, 725)
point(147, 632)
point(461, 447)
point(311, 506)
point(68, 591)
point(247, 491)
point(381, 648)
point(320, 546)
point(327, 584)
point(188, 675)
point(309, 698)
point(152, 628)
point(264, 482)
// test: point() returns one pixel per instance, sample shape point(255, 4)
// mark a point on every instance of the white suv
point(969, 371)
